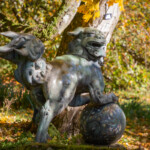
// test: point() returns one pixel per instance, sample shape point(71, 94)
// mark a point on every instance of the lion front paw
point(114, 97)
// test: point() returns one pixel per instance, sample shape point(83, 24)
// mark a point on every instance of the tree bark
point(56, 24)
point(63, 17)
point(68, 121)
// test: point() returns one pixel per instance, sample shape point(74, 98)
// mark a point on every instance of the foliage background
point(126, 69)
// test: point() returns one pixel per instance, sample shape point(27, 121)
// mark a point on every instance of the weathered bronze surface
point(102, 125)
point(63, 81)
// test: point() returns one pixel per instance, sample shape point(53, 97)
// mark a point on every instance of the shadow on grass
point(135, 109)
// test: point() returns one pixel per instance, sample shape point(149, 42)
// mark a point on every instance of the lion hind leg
point(80, 100)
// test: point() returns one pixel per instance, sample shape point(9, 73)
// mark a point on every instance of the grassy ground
point(137, 110)
point(14, 125)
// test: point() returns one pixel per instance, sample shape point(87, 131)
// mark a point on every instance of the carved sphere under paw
point(102, 125)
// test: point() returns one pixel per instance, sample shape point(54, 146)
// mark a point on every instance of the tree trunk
point(68, 120)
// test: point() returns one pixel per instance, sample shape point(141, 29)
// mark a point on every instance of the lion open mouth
point(94, 44)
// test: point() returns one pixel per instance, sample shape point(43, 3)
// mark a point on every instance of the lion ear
point(76, 32)
point(10, 34)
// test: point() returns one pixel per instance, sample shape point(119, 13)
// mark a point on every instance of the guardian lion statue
point(64, 80)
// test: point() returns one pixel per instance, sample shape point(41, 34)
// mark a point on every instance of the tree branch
point(107, 26)
point(103, 10)
point(63, 17)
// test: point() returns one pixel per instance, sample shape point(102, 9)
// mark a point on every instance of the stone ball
point(102, 125)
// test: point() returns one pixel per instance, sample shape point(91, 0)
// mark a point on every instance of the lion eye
point(90, 34)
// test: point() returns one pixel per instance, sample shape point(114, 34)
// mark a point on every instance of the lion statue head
point(88, 43)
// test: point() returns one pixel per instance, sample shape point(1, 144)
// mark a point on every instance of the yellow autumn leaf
point(50, 13)
point(29, 139)
point(87, 17)
point(1, 138)
point(18, 134)
point(120, 2)
point(82, 9)
point(111, 2)
point(97, 6)
point(96, 15)
point(91, 8)
point(3, 120)
point(142, 14)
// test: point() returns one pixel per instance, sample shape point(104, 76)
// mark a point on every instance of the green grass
point(136, 109)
